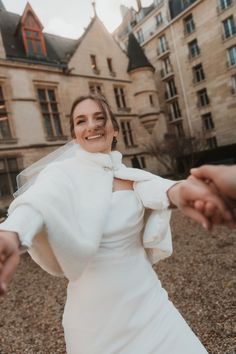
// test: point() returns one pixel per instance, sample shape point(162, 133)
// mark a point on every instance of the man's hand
point(184, 195)
point(9, 257)
point(223, 177)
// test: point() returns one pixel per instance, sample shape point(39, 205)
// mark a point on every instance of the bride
point(102, 225)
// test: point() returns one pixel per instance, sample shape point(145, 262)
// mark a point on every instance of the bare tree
point(176, 154)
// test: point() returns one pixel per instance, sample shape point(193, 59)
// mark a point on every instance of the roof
point(137, 58)
point(147, 9)
point(59, 49)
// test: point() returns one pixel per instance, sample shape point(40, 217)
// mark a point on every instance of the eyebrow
point(84, 115)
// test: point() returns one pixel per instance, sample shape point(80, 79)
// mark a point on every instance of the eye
point(101, 118)
point(79, 122)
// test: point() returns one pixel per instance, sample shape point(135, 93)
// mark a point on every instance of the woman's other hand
point(9, 257)
point(187, 194)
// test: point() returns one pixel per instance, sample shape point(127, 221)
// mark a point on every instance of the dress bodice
point(124, 224)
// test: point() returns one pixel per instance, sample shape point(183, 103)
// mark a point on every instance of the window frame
point(94, 65)
point(175, 111)
point(229, 27)
point(10, 174)
point(212, 142)
point(139, 163)
point(233, 49)
point(50, 112)
point(151, 101)
point(207, 122)
point(127, 133)
point(159, 19)
point(163, 44)
point(4, 107)
point(167, 66)
point(194, 49)
point(179, 129)
point(226, 4)
point(34, 39)
point(189, 24)
point(110, 66)
point(140, 36)
point(233, 81)
point(95, 85)
point(171, 89)
point(120, 97)
point(198, 73)
point(203, 98)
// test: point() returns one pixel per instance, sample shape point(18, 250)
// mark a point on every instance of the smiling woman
point(93, 124)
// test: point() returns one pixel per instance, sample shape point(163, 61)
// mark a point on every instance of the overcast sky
point(69, 17)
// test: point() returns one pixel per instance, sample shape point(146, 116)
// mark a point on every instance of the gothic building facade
point(40, 76)
point(192, 46)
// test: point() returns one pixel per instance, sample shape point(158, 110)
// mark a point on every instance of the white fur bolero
point(74, 198)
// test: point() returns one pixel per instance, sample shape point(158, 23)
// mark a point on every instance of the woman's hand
point(186, 194)
point(9, 257)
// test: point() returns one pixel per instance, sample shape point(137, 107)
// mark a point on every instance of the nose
point(92, 124)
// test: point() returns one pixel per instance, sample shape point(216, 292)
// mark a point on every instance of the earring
point(114, 141)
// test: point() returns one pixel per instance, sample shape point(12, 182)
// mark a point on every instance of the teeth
point(93, 137)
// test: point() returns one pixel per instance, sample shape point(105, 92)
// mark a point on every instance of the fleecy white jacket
point(74, 197)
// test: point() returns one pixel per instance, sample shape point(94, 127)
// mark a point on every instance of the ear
point(116, 133)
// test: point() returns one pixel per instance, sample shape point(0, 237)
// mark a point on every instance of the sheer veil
point(27, 177)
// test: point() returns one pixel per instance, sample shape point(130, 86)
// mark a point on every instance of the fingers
point(198, 217)
point(204, 172)
point(199, 205)
point(8, 269)
point(209, 207)
point(222, 207)
point(213, 200)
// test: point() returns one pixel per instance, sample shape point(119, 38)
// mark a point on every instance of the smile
point(93, 137)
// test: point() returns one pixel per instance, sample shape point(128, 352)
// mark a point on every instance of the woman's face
point(90, 131)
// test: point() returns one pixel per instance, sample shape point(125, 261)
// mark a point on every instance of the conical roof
point(137, 58)
point(2, 7)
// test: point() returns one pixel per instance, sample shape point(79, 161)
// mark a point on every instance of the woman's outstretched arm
point(16, 232)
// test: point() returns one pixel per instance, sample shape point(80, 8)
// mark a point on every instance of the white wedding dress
point(118, 305)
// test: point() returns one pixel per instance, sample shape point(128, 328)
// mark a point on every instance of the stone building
point(192, 46)
point(40, 76)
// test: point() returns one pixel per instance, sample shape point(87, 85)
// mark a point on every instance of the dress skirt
point(118, 305)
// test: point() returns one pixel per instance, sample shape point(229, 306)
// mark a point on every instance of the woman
point(102, 225)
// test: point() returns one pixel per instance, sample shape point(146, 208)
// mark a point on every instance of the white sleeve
point(26, 222)
point(153, 193)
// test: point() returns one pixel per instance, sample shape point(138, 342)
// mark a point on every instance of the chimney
point(139, 5)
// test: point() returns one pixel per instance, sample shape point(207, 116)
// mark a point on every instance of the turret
point(141, 72)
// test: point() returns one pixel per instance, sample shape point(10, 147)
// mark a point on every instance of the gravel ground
point(200, 279)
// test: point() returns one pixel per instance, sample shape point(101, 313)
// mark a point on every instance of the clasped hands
point(207, 196)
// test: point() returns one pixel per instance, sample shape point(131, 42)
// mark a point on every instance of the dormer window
point(94, 64)
point(32, 34)
point(110, 67)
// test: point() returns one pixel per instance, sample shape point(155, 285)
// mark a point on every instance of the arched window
point(32, 34)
